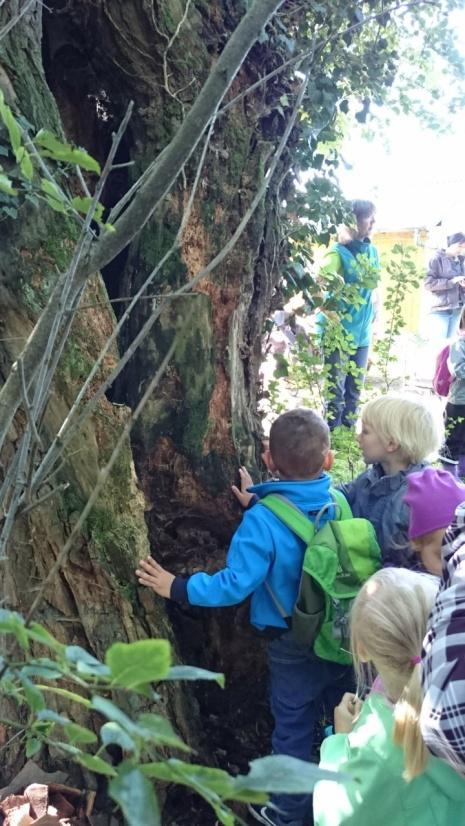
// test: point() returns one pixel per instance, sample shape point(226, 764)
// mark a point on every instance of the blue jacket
point(262, 548)
point(359, 259)
point(380, 499)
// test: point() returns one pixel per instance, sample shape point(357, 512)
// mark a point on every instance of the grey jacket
point(441, 270)
point(456, 364)
point(380, 498)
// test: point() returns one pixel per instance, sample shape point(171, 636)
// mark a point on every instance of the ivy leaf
point(61, 151)
point(135, 795)
point(138, 663)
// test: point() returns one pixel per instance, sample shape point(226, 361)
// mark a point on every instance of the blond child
point(398, 434)
point(378, 742)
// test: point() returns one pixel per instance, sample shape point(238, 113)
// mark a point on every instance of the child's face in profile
point(429, 549)
point(371, 445)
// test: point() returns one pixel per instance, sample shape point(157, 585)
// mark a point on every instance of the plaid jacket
point(443, 658)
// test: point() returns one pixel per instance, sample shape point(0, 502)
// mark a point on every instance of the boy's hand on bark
point(151, 574)
point(241, 493)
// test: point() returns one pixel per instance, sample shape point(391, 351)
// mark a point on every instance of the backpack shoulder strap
point(345, 511)
point(292, 517)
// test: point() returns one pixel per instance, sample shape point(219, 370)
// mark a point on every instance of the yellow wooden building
point(421, 241)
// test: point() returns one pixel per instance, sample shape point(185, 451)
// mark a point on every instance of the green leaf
point(83, 205)
point(137, 663)
point(33, 695)
point(96, 764)
point(136, 797)
point(114, 733)
point(53, 195)
point(190, 672)
point(60, 151)
point(6, 185)
point(33, 746)
point(68, 695)
point(13, 623)
point(282, 774)
point(38, 633)
point(25, 163)
point(9, 120)
point(42, 667)
point(85, 663)
point(160, 731)
point(79, 734)
point(113, 713)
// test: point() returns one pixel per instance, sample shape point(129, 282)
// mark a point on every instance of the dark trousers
point(455, 430)
point(345, 388)
point(300, 683)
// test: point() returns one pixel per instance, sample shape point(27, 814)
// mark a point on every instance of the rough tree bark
point(203, 421)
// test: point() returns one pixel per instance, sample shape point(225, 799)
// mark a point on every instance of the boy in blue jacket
point(265, 552)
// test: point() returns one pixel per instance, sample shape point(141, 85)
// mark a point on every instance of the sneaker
point(262, 814)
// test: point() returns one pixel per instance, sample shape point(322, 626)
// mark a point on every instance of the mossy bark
point(94, 600)
point(203, 421)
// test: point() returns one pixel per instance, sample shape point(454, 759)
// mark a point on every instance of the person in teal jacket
point(356, 260)
point(378, 743)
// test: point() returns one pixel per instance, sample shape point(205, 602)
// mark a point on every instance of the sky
point(415, 176)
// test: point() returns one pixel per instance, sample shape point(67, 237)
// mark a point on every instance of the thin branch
point(14, 20)
point(27, 404)
point(35, 504)
point(105, 472)
point(69, 427)
point(162, 175)
point(298, 58)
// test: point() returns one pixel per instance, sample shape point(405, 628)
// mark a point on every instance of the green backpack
point(338, 559)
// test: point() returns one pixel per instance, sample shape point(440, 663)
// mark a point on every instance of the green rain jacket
point(377, 795)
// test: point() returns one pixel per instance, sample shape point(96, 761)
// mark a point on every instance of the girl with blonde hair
point(378, 742)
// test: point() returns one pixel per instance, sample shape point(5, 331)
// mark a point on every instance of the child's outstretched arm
point(241, 493)
point(151, 574)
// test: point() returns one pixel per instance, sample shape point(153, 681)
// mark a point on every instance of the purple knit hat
point(433, 496)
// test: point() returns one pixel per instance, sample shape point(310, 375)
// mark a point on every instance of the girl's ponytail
point(407, 726)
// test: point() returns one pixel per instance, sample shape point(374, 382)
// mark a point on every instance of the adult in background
point(445, 279)
point(356, 259)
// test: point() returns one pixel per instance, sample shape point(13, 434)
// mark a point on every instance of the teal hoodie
point(378, 795)
point(354, 261)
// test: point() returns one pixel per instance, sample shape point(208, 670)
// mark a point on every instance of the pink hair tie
point(415, 660)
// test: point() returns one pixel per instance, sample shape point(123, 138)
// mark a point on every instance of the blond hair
point(415, 425)
point(388, 624)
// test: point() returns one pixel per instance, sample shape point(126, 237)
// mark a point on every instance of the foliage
point(305, 372)
point(403, 277)
point(70, 675)
point(26, 179)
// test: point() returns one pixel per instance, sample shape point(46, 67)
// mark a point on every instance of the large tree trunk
point(203, 420)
